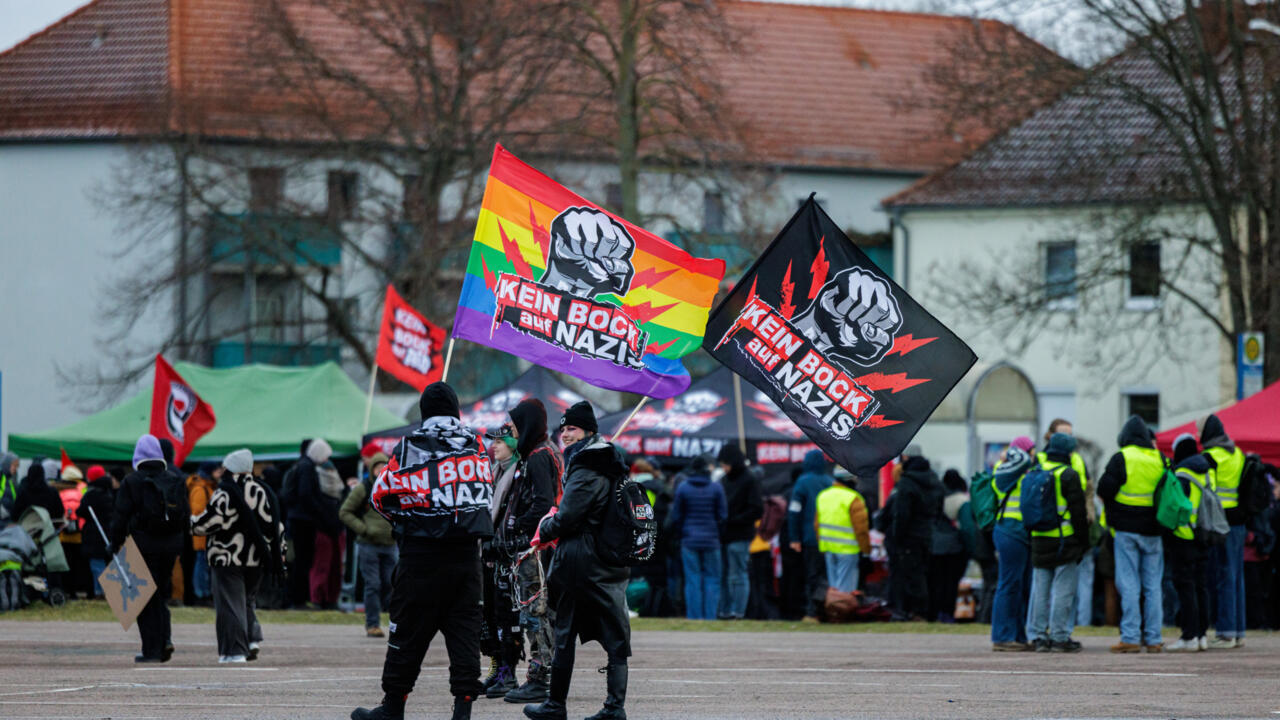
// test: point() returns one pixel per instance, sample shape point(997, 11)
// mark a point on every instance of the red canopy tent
point(1253, 423)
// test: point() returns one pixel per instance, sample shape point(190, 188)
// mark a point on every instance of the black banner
point(846, 353)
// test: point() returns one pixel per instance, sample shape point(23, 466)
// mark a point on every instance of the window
point(1144, 275)
point(712, 212)
point(1060, 274)
point(343, 188)
point(266, 188)
point(411, 200)
point(1145, 405)
point(613, 197)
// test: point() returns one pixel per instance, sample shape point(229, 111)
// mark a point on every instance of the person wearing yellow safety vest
point(1128, 487)
point(1055, 554)
point(1226, 561)
point(8, 481)
point(1013, 546)
point(1186, 552)
point(1084, 577)
point(843, 529)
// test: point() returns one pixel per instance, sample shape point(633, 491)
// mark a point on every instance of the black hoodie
point(742, 493)
point(1127, 518)
point(917, 501)
point(536, 484)
point(101, 498)
point(35, 490)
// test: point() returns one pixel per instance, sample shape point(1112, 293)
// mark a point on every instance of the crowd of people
point(1056, 546)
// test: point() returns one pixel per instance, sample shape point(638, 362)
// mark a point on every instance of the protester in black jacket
point(746, 505)
point(300, 524)
point(35, 491)
point(588, 597)
point(917, 500)
point(100, 498)
point(159, 541)
point(435, 492)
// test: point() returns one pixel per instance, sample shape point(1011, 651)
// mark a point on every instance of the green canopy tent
point(266, 408)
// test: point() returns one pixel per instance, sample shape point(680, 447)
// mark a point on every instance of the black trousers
point(763, 602)
point(153, 621)
point(945, 572)
point(908, 583)
point(302, 537)
point(430, 594)
point(1186, 560)
point(815, 580)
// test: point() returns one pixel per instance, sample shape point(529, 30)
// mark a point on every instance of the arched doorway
point(1002, 404)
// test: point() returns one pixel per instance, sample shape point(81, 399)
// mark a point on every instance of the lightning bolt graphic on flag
point(788, 287)
point(819, 269)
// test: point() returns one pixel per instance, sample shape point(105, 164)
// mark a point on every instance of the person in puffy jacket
point(917, 501)
point(435, 492)
point(1013, 547)
point(375, 547)
point(697, 514)
point(200, 487)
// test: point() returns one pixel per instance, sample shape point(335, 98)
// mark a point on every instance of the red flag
point(66, 461)
point(177, 413)
point(408, 344)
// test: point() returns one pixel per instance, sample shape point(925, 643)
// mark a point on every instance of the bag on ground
point(775, 514)
point(839, 606)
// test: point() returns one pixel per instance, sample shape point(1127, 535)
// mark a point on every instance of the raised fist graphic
point(590, 254)
point(854, 316)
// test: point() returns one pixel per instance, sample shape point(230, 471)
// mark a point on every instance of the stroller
point(16, 550)
point(38, 570)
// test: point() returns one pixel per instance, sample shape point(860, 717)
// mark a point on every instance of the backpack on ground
point(165, 507)
point(1211, 519)
point(984, 502)
point(1039, 501)
point(773, 518)
point(629, 533)
point(1255, 490)
point(1173, 507)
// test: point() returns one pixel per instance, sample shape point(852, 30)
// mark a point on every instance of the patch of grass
point(99, 611)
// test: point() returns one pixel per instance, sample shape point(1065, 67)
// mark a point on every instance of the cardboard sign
point(127, 583)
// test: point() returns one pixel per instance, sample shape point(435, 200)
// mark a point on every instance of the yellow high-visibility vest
point(835, 528)
point(1143, 468)
point(1197, 480)
point(1012, 509)
point(1065, 528)
point(1230, 469)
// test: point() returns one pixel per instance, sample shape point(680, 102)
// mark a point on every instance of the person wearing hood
point(200, 487)
point(300, 523)
point(320, 489)
point(588, 596)
point(497, 644)
point(814, 478)
point(244, 529)
point(697, 514)
point(1226, 561)
point(1187, 552)
point(375, 546)
point(949, 550)
point(8, 481)
point(745, 505)
point(917, 501)
point(141, 512)
point(1013, 546)
point(36, 490)
point(100, 498)
point(1128, 488)
point(535, 489)
point(1055, 554)
point(435, 492)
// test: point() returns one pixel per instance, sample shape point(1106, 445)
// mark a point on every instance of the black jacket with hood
point(1214, 434)
point(1120, 517)
point(917, 501)
point(435, 489)
point(588, 596)
point(742, 493)
point(36, 490)
point(536, 485)
point(128, 511)
point(101, 498)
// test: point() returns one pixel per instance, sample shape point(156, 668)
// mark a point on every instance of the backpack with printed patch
point(629, 533)
point(1039, 500)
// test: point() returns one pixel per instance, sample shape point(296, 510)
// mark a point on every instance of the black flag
point(838, 345)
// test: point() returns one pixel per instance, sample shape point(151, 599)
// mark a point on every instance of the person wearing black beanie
point(439, 400)
point(578, 423)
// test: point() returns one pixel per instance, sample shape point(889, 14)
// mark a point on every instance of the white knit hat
point(239, 462)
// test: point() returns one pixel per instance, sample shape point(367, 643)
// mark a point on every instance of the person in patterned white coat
point(242, 523)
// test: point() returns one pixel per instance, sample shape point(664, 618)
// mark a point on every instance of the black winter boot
point(462, 707)
point(535, 689)
point(616, 677)
point(554, 708)
point(392, 708)
point(503, 684)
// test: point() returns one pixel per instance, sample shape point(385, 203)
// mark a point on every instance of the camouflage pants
point(535, 619)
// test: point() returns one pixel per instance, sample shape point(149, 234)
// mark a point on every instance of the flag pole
point(448, 357)
point(124, 576)
point(737, 399)
point(627, 422)
point(368, 403)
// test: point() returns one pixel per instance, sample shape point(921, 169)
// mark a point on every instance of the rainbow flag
point(565, 284)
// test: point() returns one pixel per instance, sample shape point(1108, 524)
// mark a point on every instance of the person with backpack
point(1226, 561)
point(243, 528)
point(814, 478)
point(844, 531)
point(375, 546)
point(588, 592)
point(535, 489)
point(1128, 488)
point(745, 505)
point(1056, 550)
point(151, 506)
point(1186, 548)
point(1013, 547)
point(435, 492)
point(658, 603)
point(697, 514)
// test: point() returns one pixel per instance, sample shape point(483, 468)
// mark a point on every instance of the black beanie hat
point(731, 455)
point(438, 399)
point(580, 415)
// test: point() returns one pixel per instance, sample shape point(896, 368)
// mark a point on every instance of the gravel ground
point(85, 670)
